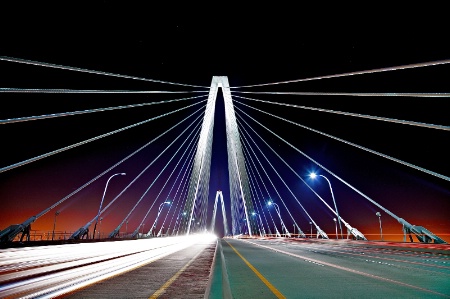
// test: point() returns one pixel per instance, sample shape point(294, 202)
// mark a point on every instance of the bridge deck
point(183, 274)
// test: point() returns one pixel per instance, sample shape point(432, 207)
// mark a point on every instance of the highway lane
point(288, 268)
point(52, 271)
point(243, 268)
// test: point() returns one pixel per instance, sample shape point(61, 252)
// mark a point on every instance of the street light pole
point(313, 176)
point(262, 231)
point(157, 216)
point(101, 202)
point(100, 227)
point(381, 229)
point(335, 224)
point(310, 223)
point(277, 209)
point(54, 224)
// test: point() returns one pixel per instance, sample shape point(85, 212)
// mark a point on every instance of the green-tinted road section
point(273, 269)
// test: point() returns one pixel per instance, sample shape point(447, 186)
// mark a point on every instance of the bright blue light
point(269, 203)
point(312, 175)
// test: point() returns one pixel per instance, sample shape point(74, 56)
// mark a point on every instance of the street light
point(335, 223)
point(313, 176)
point(310, 223)
point(54, 224)
point(262, 232)
point(101, 203)
point(379, 219)
point(277, 209)
point(157, 216)
point(100, 227)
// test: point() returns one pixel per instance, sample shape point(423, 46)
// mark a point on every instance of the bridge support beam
point(224, 215)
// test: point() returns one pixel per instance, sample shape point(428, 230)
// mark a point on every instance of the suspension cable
point(112, 167)
point(189, 158)
point(84, 91)
point(145, 169)
point(164, 168)
point(387, 69)
point(188, 146)
point(273, 185)
point(76, 69)
point(392, 120)
point(323, 167)
point(356, 94)
point(253, 178)
point(353, 144)
point(54, 115)
point(291, 170)
point(90, 140)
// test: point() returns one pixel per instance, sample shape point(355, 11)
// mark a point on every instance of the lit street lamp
point(335, 223)
point(157, 216)
point(262, 231)
point(313, 176)
point(277, 209)
point(379, 219)
point(177, 223)
point(54, 224)
point(101, 203)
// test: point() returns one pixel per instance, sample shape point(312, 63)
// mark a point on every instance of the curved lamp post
point(335, 224)
point(159, 212)
point(54, 224)
point(277, 209)
point(313, 176)
point(262, 231)
point(101, 203)
point(379, 219)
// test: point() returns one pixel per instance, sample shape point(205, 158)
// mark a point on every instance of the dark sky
point(190, 45)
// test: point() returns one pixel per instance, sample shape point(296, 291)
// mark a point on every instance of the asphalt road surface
point(146, 268)
point(333, 269)
point(204, 267)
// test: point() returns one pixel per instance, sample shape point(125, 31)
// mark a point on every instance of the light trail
point(70, 267)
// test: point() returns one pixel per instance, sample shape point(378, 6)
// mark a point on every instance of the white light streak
point(79, 265)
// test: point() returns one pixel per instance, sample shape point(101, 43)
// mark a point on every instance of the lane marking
point(260, 276)
point(162, 289)
point(348, 269)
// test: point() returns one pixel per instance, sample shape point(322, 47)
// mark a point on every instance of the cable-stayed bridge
point(167, 185)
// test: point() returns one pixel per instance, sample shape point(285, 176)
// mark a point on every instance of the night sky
point(189, 46)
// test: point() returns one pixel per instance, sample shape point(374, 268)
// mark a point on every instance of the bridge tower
point(240, 198)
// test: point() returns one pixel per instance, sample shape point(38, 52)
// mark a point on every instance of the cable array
point(250, 184)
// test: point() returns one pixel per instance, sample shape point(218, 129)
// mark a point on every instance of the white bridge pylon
point(224, 214)
point(240, 196)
